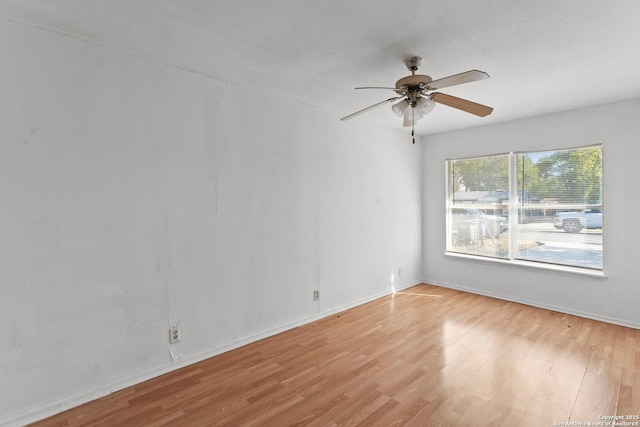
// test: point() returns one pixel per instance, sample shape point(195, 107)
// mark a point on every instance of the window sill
point(531, 264)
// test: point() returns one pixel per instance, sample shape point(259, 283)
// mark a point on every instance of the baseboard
point(83, 398)
point(559, 309)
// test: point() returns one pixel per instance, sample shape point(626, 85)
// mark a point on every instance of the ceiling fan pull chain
point(413, 125)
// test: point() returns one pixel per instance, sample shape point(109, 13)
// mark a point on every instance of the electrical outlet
point(399, 272)
point(316, 295)
point(174, 335)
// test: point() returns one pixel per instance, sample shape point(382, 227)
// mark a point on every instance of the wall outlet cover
point(174, 335)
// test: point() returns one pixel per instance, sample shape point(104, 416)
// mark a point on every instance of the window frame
point(514, 212)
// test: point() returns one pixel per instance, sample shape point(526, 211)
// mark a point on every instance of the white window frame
point(511, 258)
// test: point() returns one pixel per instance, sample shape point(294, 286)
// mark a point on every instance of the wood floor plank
point(544, 412)
point(598, 395)
point(427, 356)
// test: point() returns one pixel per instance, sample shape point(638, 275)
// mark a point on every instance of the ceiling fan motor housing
point(417, 80)
point(412, 85)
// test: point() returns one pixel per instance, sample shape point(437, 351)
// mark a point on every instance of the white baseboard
point(559, 309)
point(82, 398)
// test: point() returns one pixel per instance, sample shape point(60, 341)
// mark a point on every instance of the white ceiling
point(543, 56)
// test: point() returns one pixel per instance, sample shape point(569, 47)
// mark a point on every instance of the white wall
point(614, 298)
point(134, 195)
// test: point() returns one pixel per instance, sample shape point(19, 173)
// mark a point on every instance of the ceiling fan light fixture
point(413, 114)
point(399, 108)
point(425, 105)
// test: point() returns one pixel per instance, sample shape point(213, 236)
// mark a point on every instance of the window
point(537, 207)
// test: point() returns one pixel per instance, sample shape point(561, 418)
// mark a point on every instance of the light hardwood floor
point(427, 356)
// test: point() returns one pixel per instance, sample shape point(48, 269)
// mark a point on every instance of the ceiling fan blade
point(457, 79)
point(364, 110)
point(461, 104)
point(377, 87)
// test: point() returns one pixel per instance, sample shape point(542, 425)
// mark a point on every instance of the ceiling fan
point(417, 96)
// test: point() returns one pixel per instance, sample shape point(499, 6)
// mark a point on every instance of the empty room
point(319, 213)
